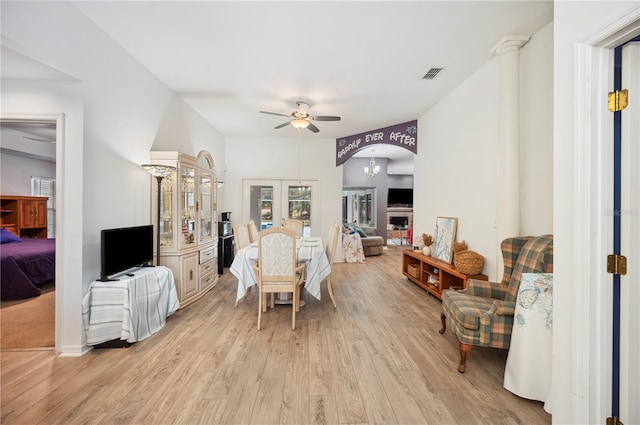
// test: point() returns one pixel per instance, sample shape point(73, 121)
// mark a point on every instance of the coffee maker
point(224, 224)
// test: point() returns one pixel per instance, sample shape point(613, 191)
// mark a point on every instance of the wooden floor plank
point(377, 358)
point(349, 404)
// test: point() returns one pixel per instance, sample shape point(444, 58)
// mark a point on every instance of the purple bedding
point(24, 265)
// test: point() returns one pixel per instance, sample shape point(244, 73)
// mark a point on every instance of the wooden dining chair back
point(241, 236)
point(330, 251)
point(277, 269)
point(253, 231)
point(295, 225)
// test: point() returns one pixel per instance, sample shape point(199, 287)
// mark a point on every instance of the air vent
point(432, 73)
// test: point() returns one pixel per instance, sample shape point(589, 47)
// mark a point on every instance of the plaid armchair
point(482, 313)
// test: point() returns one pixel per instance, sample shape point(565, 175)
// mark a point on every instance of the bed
point(25, 264)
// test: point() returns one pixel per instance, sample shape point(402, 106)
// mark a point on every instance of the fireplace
point(402, 221)
point(400, 217)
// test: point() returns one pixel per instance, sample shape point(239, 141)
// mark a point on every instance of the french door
point(268, 202)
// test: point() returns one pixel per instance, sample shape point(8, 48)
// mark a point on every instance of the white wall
point(536, 134)
point(127, 113)
point(456, 167)
point(17, 171)
point(277, 158)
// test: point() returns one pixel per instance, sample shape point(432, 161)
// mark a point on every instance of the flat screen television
point(125, 248)
point(400, 197)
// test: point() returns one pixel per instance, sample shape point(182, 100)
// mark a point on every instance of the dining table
point(309, 250)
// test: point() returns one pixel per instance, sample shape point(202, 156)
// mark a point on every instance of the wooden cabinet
point(188, 222)
point(25, 216)
point(434, 275)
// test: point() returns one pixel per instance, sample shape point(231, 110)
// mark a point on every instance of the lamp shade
point(300, 123)
point(158, 170)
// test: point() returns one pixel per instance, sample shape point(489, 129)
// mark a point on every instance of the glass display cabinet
point(188, 219)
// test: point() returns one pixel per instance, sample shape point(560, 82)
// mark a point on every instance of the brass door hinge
point(617, 264)
point(614, 421)
point(618, 100)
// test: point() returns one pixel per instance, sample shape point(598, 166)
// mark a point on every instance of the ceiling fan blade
point(282, 125)
point(313, 128)
point(275, 113)
point(38, 139)
point(325, 118)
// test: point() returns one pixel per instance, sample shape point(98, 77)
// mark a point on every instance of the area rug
point(29, 323)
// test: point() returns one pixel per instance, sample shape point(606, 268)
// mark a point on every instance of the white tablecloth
point(131, 308)
point(310, 250)
point(528, 369)
point(352, 248)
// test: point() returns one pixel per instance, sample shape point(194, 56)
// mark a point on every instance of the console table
point(434, 275)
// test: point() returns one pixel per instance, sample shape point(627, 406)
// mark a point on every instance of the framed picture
point(444, 237)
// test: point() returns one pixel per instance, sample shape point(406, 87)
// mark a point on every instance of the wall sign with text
point(402, 135)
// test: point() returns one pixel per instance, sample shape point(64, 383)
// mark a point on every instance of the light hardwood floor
point(378, 358)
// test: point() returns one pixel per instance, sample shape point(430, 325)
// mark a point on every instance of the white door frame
point(591, 322)
point(60, 275)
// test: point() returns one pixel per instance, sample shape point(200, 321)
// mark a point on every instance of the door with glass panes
point(268, 202)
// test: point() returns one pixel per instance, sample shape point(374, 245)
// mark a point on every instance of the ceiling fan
point(300, 118)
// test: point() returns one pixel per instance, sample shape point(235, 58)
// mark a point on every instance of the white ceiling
point(363, 61)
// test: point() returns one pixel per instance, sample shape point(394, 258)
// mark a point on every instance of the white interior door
point(630, 239)
point(269, 202)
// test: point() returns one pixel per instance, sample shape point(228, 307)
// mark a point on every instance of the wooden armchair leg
point(443, 319)
point(464, 349)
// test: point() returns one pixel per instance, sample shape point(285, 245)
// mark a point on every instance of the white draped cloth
point(528, 370)
point(309, 250)
point(131, 308)
point(352, 248)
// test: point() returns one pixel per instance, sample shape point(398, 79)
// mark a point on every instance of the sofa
point(371, 245)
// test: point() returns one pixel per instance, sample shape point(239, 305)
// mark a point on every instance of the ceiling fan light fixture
point(299, 123)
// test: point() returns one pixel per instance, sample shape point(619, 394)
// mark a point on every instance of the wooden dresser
point(25, 216)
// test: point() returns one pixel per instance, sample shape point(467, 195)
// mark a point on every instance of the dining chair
point(241, 236)
point(277, 269)
point(295, 225)
point(253, 231)
point(330, 251)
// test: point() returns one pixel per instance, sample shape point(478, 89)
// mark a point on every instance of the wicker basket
point(414, 270)
point(468, 262)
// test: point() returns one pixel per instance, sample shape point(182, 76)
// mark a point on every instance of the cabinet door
point(40, 216)
point(33, 214)
point(189, 282)
point(166, 208)
point(187, 206)
point(205, 195)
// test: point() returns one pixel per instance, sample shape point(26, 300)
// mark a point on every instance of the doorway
point(584, 390)
point(268, 202)
point(29, 152)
